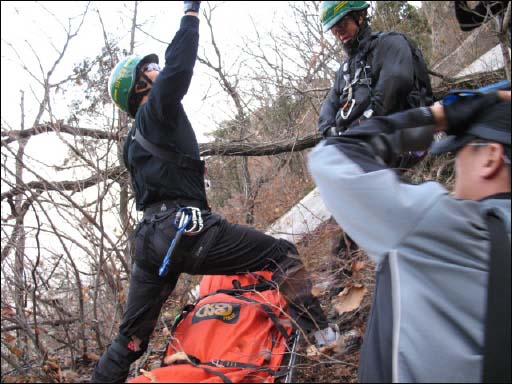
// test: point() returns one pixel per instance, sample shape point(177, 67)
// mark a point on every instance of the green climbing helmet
point(333, 11)
point(122, 80)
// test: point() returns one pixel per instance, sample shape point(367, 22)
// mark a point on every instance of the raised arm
point(180, 57)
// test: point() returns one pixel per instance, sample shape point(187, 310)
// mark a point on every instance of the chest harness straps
point(177, 158)
point(346, 109)
point(184, 217)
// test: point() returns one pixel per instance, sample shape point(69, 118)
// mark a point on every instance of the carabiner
point(342, 111)
point(195, 217)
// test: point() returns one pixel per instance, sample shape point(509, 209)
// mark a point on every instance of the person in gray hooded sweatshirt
point(431, 247)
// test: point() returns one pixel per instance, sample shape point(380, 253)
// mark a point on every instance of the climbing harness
point(196, 219)
point(180, 159)
point(184, 217)
point(346, 110)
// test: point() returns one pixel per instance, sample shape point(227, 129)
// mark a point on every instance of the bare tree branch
point(58, 127)
point(45, 322)
point(69, 185)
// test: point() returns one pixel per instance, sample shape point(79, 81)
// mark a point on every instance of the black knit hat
point(492, 125)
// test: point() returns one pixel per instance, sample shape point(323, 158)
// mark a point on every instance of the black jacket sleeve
point(330, 106)
point(174, 80)
point(393, 64)
point(389, 136)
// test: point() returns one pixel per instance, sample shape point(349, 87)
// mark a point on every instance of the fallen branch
point(259, 149)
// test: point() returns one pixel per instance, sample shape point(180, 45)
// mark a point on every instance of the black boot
point(114, 365)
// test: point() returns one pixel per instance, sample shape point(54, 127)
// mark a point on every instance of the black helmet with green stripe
point(333, 11)
point(123, 78)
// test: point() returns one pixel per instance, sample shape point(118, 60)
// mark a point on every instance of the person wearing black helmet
point(437, 315)
point(178, 232)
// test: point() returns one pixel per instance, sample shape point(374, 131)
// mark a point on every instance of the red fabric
point(225, 327)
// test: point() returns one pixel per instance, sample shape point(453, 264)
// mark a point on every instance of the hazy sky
point(31, 24)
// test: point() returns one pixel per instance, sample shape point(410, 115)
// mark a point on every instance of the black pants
point(221, 248)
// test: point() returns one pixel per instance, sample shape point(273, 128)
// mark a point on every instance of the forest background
point(67, 203)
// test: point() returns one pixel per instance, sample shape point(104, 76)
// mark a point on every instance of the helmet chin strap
point(355, 16)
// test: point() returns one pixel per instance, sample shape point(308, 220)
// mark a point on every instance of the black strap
point(223, 377)
point(236, 364)
point(180, 159)
point(219, 363)
point(497, 345)
point(194, 361)
point(173, 205)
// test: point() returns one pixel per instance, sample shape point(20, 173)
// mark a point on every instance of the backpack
point(237, 331)
point(421, 94)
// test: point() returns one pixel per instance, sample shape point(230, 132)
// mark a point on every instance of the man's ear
point(493, 160)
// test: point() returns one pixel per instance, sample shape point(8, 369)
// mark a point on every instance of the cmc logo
point(226, 312)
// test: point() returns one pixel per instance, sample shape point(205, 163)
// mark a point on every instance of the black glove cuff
point(191, 6)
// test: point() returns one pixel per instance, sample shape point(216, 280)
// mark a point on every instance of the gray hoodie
point(432, 256)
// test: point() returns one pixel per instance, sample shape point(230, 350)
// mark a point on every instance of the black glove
point(461, 111)
point(389, 147)
point(191, 6)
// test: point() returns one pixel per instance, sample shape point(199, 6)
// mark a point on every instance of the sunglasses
point(506, 160)
point(150, 67)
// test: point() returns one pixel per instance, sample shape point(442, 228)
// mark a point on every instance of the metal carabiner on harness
point(184, 217)
point(196, 219)
point(344, 111)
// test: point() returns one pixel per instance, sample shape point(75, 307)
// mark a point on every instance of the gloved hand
point(461, 111)
point(191, 6)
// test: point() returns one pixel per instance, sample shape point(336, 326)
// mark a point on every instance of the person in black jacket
point(178, 232)
point(377, 78)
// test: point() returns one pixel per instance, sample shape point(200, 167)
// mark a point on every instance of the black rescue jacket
point(381, 71)
point(163, 122)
